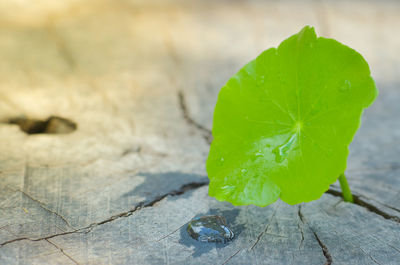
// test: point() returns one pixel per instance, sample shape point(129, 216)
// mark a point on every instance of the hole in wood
point(52, 125)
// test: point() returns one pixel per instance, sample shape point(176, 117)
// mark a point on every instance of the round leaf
point(282, 125)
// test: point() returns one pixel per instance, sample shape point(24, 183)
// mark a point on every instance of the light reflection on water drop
point(210, 228)
point(259, 153)
point(282, 151)
point(227, 189)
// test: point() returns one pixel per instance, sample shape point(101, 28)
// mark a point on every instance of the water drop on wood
point(210, 228)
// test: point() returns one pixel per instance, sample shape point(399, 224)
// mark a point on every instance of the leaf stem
point(347, 196)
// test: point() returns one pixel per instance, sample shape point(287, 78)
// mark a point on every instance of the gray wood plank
point(313, 233)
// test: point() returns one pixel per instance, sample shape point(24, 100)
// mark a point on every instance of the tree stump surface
point(116, 99)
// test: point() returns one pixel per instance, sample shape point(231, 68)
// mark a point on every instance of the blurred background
point(93, 61)
point(115, 101)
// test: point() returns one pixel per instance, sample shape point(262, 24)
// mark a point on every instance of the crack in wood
point(383, 204)
point(43, 206)
point(324, 248)
point(387, 206)
point(206, 133)
point(42, 238)
point(230, 257)
point(169, 234)
point(360, 202)
point(194, 185)
point(265, 230)
point(62, 251)
point(300, 227)
point(184, 188)
point(369, 255)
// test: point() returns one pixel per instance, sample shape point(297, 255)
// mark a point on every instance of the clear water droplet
point(260, 81)
point(227, 190)
point(210, 228)
point(346, 86)
point(259, 153)
point(282, 151)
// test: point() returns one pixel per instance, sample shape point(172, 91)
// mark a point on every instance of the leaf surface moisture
point(282, 125)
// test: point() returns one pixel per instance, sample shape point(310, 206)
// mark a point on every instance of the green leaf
point(282, 125)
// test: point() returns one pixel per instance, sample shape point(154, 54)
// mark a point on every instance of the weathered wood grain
point(140, 79)
point(327, 229)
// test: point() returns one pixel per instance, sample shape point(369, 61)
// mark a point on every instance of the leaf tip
point(308, 32)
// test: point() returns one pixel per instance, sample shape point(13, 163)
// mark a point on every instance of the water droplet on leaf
point(260, 81)
point(210, 228)
point(259, 153)
point(228, 189)
point(346, 86)
point(282, 151)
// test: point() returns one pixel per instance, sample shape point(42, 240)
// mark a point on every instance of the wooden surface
point(140, 80)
